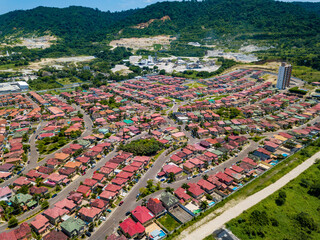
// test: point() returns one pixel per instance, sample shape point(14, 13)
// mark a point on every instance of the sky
point(103, 5)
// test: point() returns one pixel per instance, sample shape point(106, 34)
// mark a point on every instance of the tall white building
point(284, 76)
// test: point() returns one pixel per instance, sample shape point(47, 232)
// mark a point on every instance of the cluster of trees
point(298, 91)
point(48, 82)
point(229, 113)
point(111, 102)
point(51, 144)
point(151, 188)
point(142, 147)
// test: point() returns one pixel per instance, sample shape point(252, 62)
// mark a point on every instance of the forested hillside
point(70, 23)
point(292, 29)
point(310, 6)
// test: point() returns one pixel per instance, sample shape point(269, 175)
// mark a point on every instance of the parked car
point(128, 213)
point(109, 211)
point(54, 195)
point(88, 234)
point(120, 203)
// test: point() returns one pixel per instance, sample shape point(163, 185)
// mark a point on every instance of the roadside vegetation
point(258, 184)
point(290, 213)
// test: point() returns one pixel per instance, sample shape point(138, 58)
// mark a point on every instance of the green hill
point(310, 6)
point(70, 23)
point(292, 29)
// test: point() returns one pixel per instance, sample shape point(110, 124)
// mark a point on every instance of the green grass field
point(67, 81)
point(306, 73)
point(168, 222)
point(260, 183)
point(8, 66)
point(297, 216)
point(195, 85)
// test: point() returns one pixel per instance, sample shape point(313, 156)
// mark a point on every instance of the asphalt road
point(34, 163)
point(129, 201)
point(112, 222)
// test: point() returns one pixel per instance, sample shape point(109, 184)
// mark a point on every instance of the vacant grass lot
point(291, 213)
point(306, 73)
point(168, 222)
point(258, 184)
point(67, 81)
point(195, 85)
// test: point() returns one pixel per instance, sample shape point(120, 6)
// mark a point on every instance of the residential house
point(40, 224)
point(169, 201)
point(73, 227)
point(132, 229)
point(182, 195)
point(143, 215)
point(89, 214)
point(195, 190)
point(156, 207)
point(206, 186)
point(54, 235)
point(55, 214)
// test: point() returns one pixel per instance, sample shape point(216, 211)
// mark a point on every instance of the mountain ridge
point(292, 28)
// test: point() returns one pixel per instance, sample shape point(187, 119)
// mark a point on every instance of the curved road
point(34, 163)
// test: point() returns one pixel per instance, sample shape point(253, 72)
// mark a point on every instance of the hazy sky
point(104, 5)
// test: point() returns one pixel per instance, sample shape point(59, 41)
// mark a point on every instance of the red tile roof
point(142, 214)
point(181, 194)
point(131, 227)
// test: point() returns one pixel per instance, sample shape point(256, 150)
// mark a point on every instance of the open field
point(168, 222)
point(121, 69)
point(67, 81)
point(150, 43)
point(295, 217)
point(306, 73)
point(195, 85)
point(34, 42)
point(263, 181)
point(53, 61)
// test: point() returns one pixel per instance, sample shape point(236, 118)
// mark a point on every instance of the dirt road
point(205, 227)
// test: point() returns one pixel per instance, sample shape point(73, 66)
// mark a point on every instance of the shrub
point(12, 222)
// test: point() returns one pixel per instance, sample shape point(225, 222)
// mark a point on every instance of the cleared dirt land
point(53, 61)
point(34, 42)
point(142, 43)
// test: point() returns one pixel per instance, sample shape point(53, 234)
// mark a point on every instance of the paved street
point(130, 203)
point(112, 222)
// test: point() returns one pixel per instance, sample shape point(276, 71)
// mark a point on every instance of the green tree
point(172, 177)
point(185, 186)
point(12, 222)
point(204, 205)
point(44, 204)
point(169, 189)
